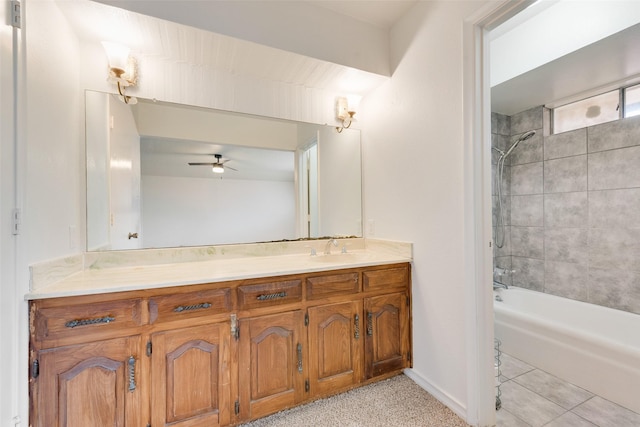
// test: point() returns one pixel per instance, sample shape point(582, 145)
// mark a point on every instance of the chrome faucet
point(327, 248)
point(497, 285)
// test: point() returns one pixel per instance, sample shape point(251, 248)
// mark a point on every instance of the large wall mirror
point(151, 181)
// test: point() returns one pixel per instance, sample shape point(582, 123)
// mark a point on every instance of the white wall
point(50, 170)
point(413, 153)
point(178, 211)
point(55, 143)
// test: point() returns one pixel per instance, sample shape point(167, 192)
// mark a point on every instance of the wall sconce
point(122, 69)
point(344, 114)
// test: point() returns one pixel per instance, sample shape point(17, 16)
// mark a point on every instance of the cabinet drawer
point(167, 308)
point(271, 293)
point(332, 285)
point(388, 278)
point(85, 320)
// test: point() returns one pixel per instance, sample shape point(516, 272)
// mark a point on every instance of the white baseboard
point(443, 397)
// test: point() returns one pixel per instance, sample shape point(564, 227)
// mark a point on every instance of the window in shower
point(597, 109)
point(587, 112)
point(632, 101)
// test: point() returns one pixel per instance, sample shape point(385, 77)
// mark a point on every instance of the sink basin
point(339, 258)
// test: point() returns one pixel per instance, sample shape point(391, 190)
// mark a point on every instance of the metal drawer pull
point(370, 324)
point(182, 308)
point(132, 373)
point(84, 322)
point(266, 297)
point(356, 321)
point(299, 358)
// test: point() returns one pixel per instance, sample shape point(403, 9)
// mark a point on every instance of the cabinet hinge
point(408, 301)
point(306, 386)
point(35, 369)
point(236, 408)
point(16, 14)
point(16, 221)
point(306, 319)
point(149, 348)
point(408, 356)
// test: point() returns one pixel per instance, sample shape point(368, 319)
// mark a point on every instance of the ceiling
point(562, 51)
point(607, 64)
point(168, 41)
point(381, 13)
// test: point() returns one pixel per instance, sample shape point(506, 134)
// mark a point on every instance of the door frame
point(478, 218)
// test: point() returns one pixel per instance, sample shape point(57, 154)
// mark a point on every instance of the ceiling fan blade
point(229, 167)
point(201, 164)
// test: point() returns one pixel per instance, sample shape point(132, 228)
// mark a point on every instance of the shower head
point(523, 137)
point(527, 135)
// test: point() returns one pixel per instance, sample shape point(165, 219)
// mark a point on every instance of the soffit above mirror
point(352, 33)
point(153, 37)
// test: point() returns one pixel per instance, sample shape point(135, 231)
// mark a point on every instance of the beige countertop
point(93, 280)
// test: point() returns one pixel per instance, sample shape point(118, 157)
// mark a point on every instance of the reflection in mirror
point(151, 180)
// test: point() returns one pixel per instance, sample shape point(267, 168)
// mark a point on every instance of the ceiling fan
point(218, 166)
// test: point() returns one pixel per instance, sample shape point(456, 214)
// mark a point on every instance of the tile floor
point(534, 398)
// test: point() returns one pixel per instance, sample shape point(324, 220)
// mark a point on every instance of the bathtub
point(593, 347)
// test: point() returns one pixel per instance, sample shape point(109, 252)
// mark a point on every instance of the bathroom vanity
point(217, 352)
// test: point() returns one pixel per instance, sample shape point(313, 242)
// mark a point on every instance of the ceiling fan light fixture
point(217, 168)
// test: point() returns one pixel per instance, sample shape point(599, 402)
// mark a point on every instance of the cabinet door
point(335, 346)
point(272, 370)
point(190, 376)
point(95, 384)
point(387, 334)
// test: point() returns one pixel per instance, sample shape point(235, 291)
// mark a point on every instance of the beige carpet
point(397, 401)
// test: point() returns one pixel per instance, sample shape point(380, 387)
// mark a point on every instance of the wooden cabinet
point(216, 354)
point(190, 383)
point(271, 363)
point(97, 381)
point(387, 334)
point(335, 347)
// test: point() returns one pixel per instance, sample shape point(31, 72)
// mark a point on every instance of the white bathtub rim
point(628, 362)
point(621, 343)
point(579, 334)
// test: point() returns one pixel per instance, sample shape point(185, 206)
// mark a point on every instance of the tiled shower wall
point(572, 209)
